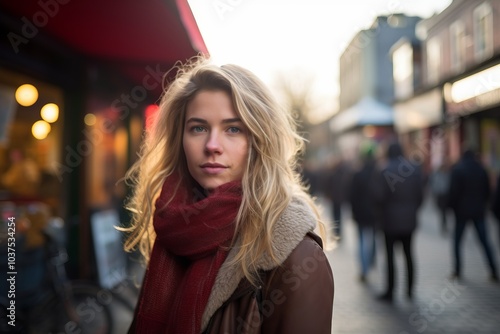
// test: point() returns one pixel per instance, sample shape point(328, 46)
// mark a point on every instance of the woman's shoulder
point(311, 245)
point(298, 295)
point(307, 258)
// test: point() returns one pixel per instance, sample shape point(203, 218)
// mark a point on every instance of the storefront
point(102, 64)
point(31, 139)
point(473, 110)
point(367, 121)
point(418, 122)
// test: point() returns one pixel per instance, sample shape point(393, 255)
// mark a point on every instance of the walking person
point(363, 209)
point(440, 186)
point(221, 216)
point(399, 194)
point(469, 194)
point(495, 207)
point(337, 189)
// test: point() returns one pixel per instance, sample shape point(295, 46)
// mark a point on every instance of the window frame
point(483, 41)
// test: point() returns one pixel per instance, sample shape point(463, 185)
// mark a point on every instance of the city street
point(439, 306)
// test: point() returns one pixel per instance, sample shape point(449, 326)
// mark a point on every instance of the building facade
point(366, 85)
point(456, 105)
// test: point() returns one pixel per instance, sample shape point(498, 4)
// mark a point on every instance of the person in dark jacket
point(495, 207)
point(337, 188)
point(219, 213)
point(399, 194)
point(363, 209)
point(468, 197)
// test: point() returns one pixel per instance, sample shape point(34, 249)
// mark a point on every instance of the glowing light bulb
point(90, 119)
point(50, 112)
point(26, 95)
point(40, 129)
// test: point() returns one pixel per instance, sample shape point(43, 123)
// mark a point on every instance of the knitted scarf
point(190, 247)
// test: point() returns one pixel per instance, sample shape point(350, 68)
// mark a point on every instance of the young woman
point(221, 216)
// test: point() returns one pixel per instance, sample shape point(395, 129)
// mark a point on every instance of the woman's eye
point(234, 129)
point(197, 129)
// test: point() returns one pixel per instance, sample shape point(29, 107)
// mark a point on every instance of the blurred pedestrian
point(363, 209)
point(469, 194)
point(310, 177)
point(399, 194)
point(218, 200)
point(337, 191)
point(440, 186)
point(495, 208)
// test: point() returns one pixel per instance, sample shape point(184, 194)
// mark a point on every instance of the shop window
point(108, 161)
point(30, 140)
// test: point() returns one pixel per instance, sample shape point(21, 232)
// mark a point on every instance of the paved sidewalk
point(439, 306)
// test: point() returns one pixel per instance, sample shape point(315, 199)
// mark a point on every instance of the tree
point(296, 92)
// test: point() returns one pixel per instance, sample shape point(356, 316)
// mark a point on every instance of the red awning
point(130, 34)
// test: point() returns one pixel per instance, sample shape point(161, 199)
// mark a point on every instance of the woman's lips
point(213, 168)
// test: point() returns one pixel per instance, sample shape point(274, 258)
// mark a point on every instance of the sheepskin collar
point(296, 221)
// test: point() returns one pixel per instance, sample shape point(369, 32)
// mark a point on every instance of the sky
point(296, 39)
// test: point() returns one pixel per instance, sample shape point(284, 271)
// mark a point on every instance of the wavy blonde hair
point(270, 179)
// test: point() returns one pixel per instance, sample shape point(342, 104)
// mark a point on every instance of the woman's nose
point(213, 144)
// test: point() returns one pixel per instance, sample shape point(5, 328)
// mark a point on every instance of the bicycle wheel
point(87, 309)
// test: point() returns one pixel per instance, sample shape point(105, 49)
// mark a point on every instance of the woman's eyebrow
point(201, 120)
point(196, 120)
point(231, 120)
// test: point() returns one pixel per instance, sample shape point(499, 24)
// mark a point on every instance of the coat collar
point(296, 221)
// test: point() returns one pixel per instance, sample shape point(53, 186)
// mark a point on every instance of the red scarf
point(186, 257)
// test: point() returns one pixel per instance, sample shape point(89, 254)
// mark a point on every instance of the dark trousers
point(390, 241)
point(480, 225)
point(442, 204)
point(337, 218)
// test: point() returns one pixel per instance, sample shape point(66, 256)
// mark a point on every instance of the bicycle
point(58, 304)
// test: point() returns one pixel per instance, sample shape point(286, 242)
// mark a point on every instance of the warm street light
point(40, 129)
point(50, 112)
point(90, 119)
point(26, 95)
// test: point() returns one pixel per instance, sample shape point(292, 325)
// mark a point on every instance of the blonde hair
point(270, 180)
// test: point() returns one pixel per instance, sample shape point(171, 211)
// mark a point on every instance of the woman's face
point(215, 140)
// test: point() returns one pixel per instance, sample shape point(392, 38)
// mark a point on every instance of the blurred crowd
point(384, 191)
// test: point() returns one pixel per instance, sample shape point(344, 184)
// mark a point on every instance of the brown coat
point(296, 297)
